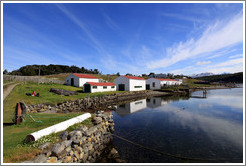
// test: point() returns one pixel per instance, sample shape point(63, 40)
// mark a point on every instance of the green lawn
point(19, 94)
point(14, 148)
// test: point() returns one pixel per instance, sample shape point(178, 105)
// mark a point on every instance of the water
point(210, 129)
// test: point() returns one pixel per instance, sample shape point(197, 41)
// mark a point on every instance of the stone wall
point(95, 103)
point(83, 145)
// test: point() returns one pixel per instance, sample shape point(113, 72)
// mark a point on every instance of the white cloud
point(203, 63)
point(236, 56)
point(215, 37)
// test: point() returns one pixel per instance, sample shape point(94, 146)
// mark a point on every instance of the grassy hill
point(236, 77)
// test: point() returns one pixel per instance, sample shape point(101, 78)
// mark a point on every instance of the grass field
point(14, 148)
point(19, 94)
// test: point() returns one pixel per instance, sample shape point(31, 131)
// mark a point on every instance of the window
point(104, 87)
point(138, 102)
point(137, 86)
point(94, 87)
point(153, 84)
point(112, 86)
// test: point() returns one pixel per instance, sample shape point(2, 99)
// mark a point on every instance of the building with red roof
point(158, 83)
point(129, 83)
point(92, 87)
point(78, 79)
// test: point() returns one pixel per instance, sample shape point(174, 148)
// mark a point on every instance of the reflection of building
point(131, 107)
point(155, 102)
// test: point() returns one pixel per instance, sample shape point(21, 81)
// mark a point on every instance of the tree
point(5, 71)
point(118, 74)
point(128, 74)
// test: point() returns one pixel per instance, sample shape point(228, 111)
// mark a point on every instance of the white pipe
point(57, 127)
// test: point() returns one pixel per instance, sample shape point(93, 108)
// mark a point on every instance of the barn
point(129, 83)
point(79, 80)
point(92, 87)
point(157, 83)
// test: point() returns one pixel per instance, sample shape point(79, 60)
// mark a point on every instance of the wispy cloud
point(203, 63)
point(183, 17)
point(236, 56)
point(215, 37)
point(110, 22)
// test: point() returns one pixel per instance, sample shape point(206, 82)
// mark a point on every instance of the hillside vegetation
point(236, 77)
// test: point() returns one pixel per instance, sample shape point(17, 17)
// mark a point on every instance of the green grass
point(19, 94)
point(14, 148)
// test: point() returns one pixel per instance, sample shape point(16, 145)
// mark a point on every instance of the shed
point(79, 80)
point(129, 83)
point(92, 87)
point(158, 83)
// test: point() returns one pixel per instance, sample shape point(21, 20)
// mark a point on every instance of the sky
point(136, 38)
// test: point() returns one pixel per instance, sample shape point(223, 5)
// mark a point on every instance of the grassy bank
point(15, 150)
point(19, 94)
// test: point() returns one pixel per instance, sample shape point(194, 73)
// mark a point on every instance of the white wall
point(82, 81)
point(157, 83)
point(122, 80)
point(134, 83)
point(79, 82)
point(100, 89)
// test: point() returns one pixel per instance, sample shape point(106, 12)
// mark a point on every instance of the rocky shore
point(104, 102)
point(83, 145)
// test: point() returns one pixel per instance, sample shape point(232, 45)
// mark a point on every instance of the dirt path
point(7, 91)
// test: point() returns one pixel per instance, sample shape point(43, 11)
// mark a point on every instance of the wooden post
point(19, 114)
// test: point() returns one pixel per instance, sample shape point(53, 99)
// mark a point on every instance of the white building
point(129, 83)
point(79, 80)
point(92, 87)
point(129, 108)
point(157, 83)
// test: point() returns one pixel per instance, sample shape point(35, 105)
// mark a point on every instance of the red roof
point(133, 77)
point(85, 76)
point(162, 79)
point(101, 83)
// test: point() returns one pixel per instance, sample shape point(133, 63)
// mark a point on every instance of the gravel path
point(7, 91)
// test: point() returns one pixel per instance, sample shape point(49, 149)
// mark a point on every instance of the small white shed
point(129, 83)
point(92, 87)
point(79, 80)
point(157, 83)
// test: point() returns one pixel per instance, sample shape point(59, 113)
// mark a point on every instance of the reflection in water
point(131, 107)
point(210, 128)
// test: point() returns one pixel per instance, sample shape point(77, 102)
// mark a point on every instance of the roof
point(101, 83)
point(85, 76)
point(133, 77)
point(162, 79)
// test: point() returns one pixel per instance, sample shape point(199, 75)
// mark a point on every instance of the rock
point(118, 160)
point(68, 159)
point(40, 159)
point(91, 130)
point(81, 155)
point(67, 143)
point(58, 148)
point(113, 153)
point(45, 145)
point(52, 160)
point(96, 120)
point(76, 154)
point(64, 135)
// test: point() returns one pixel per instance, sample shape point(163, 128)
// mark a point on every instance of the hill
point(236, 77)
point(34, 70)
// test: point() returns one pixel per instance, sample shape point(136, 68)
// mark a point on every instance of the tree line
point(236, 77)
point(33, 70)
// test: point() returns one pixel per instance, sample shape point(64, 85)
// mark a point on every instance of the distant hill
point(236, 77)
point(33, 70)
point(202, 75)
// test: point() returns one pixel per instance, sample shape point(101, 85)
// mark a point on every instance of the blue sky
point(137, 38)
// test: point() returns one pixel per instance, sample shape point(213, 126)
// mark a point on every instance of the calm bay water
point(210, 128)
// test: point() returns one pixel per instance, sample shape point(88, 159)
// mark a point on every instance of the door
point(87, 88)
point(72, 81)
point(121, 87)
point(147, 86)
